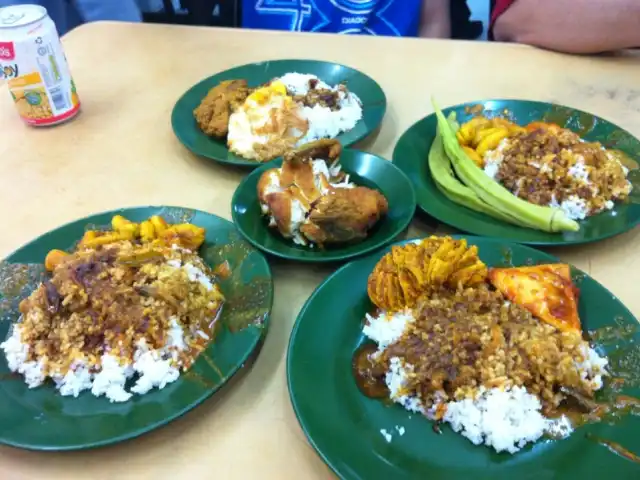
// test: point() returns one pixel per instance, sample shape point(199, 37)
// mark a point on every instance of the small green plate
point(374, 103)
point(364, 169)
point(344, 426)
point(412, 150)
point(41, 419)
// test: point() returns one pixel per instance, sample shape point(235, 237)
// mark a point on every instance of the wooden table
point(121, 152)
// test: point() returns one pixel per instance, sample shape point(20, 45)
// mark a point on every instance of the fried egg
point(267, 124)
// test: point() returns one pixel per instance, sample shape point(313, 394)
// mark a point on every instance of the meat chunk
point(212, 115)
point(328, 149)
point(310, 198)
point(344, 215)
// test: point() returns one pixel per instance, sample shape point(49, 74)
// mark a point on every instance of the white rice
point(298, 83)
point(194, 274)
point(579, 171)
point(574, 207)
point(559, 427)
point(153, 368)
point(323, 122)
point(493, 159)
point(505, 420)
point(593, 367)
point(396, 379)
point(385, 329)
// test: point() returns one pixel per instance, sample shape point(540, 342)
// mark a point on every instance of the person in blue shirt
point(400, 18)
point(68, 14)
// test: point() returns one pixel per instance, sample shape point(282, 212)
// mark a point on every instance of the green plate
point(374, 103)
point(365, 169)
point(41, 419)
point(412, 150)
point(344, 426)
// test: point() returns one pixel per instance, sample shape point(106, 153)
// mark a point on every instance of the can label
point(38, 76)
point(7, 52)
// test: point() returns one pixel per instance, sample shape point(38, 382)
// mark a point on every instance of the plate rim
point(295, 404)
point(465, 231)
point(256, 347)
point(336, 257)
point(250, 164)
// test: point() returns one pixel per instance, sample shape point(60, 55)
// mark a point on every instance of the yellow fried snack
point(473, 155)
point(482, 134)
point(492, 140)
point(104, 239)
point(89, 235)
point(159, 224)
point(184, 235)
point(125, 227)
point(468, 130)
point(155, 232)
point(485, 132)
point(147, 231)
point(412, 270)
point(54, 258)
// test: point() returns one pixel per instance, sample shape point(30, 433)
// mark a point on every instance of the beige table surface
point(120, 151)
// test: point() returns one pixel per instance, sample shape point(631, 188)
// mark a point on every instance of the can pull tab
point(11, 19)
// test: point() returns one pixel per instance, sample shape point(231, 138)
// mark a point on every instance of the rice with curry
point(463, 344)
point(123, 314)
point(547, 165)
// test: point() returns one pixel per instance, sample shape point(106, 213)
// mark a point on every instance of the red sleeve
point(500, 7)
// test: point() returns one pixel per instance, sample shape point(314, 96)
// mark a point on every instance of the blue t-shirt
point(373, 17)
point(68, 14)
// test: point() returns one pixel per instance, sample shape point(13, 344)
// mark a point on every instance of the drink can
point(33, 64)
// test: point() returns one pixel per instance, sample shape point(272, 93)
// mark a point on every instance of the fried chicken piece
point(212, 115)
point(297, 166)
point(328, 149)
point(344, 215)
point(297, 169)
point(268, 183)
point(306, 202)
point(289, 209)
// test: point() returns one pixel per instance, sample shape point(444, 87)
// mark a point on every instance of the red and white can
point(33, 64)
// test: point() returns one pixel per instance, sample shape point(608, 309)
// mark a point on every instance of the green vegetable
point(452, 188)
point(491, 192)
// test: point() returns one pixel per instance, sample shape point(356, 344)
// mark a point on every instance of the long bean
point(451, 187)
point(542, 218)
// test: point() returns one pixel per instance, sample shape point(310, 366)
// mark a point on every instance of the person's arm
point(435, 20)
point(572, 26)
